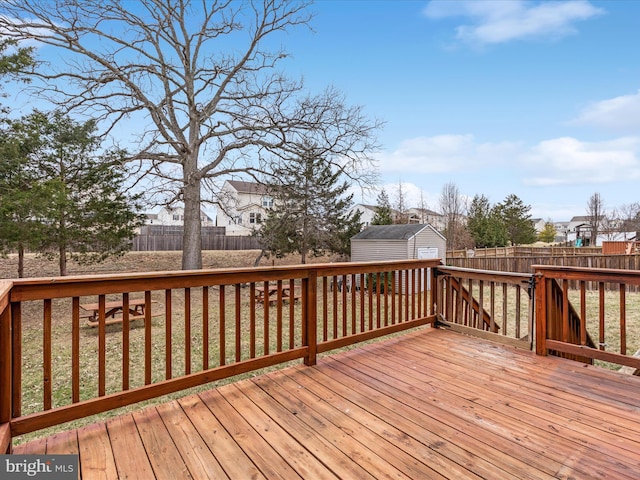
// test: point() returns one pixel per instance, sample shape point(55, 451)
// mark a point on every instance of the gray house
point(398, 242)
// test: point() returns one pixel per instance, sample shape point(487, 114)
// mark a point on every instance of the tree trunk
point(62, 261)
point(256, 263)
point(192, 236)
point(20, 261)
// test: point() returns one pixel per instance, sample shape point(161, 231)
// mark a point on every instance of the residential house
point(367, 213)
point(538, 224)
point(424, 215)
point(174, 216)
point(242, 207)
point(562, 230)
point(413, 215)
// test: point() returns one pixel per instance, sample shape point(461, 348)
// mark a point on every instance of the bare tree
point(630, 217)
point(452, 208)
point(201, 85)
point(610, 224)
point(595, 214)
point(422, 207)
point(400, 204)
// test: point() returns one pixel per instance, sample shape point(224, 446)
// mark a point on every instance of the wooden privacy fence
point(566, 326)
point(198, 327)
point(525, 264)
point(162, 238)
point(523, 252)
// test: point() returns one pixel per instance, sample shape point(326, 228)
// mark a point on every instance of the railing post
point(540, 309)
point(5, 371)
point(436, 295)
point(310, 319)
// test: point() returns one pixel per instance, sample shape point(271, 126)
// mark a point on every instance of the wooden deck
point(429, 404)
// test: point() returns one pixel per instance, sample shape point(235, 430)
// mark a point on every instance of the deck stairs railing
point(594, 324)
point(494, 305)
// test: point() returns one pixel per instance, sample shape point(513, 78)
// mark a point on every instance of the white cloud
point(568, 161)
point(445, 153)
point(618, 113)
point(499, 21)
point(554, 162)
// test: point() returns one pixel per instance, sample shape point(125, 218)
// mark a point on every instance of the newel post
point(309, 316)
point(541, 312)
point(435, 288)
point(5, 372)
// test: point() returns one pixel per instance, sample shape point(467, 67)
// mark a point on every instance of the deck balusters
point(205, 328)
point(102, 347)
point(126, 326)
point(222, 340)
point(168, 334)
point(134, 361)
point(75, 350)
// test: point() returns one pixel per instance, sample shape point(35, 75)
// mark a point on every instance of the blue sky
point(536, 98)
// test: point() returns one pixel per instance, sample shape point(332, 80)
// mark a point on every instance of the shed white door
point(424, 253)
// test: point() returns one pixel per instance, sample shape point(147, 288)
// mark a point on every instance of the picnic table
point(114, 311)
point(270, 294)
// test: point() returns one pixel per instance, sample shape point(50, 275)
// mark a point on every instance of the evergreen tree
point(88, 215)
point(310, 212)
point(18, 228)
point(383, 215)
point(517, 220)
point(485, 225)
point(21, 195)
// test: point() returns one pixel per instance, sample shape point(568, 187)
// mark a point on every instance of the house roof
point(248, 187)
point(391, 232)
point(425, 211)
point(580, 218)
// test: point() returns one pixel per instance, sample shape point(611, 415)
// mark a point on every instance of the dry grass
point(146, 262)
point(611, 320)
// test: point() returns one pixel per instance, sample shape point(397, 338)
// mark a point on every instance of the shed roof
point(390, 232)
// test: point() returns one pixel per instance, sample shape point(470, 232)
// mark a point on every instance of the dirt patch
point(36, 266)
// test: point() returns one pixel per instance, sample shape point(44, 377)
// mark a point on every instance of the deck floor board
point(430, 404)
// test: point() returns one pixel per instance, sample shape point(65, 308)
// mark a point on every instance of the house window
point(267, 202)
point(255, 218)
point(176, 217)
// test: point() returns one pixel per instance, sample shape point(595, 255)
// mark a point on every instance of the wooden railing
point(565, 325)
point(490, 304)
point(197, 327)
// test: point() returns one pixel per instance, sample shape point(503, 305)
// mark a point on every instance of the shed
point(398, 242)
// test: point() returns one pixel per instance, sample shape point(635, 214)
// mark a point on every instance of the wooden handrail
point(5, 365)
point(480, 309)
point(221, 314)
point(561, 329)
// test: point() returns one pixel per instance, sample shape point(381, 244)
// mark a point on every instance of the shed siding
point(426, 238)
point(378, 250)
